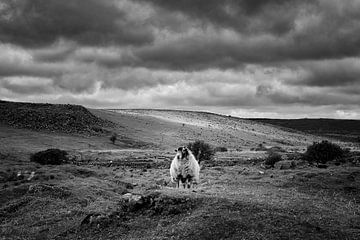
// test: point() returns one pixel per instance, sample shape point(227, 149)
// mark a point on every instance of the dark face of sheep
point(182, 152)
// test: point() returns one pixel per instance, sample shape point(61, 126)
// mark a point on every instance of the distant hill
point(172, 128)
point(345, 130)
point(51, 117)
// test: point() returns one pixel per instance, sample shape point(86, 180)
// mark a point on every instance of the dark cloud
point(30, 69)
point(233, 33)
point(242, 15)
point(203, 54)
point(288, 95)
point(90, 22)
point(57, 52)
point(329, 73)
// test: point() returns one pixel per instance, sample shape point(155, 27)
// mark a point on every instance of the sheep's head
point(182, 152)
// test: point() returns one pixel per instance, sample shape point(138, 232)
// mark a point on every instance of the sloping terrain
point(51, 117)
point(168, 128)
point(122, 190)
point(343, 129)
point(163, 129)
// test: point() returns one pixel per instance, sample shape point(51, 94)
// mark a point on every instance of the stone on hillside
point(129, 197)
point(285, 164)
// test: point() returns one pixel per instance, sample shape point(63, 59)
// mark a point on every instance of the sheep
point(185, 168)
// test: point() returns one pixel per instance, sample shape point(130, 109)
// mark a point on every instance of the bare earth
point(236, 198)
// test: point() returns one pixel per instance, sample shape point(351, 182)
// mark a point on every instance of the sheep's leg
point(194, 184)
point(188, 182)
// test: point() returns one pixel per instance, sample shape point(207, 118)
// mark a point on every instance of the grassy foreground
point(88, 200)
point(122, 190)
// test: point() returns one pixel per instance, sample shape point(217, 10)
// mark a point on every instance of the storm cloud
point(90, 22)
point(240, 57)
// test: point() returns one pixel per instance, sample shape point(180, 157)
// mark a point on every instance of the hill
point(144, 128)
point(171, 128)
point(345, 130)
point(51, 117)
point(123, 191)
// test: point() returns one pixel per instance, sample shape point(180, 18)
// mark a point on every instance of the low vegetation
point(113, 138)
point(220, 149)
point(342, 129)
point(123, 191)
point(323, 152)
point(50, 157)
point(52, 117)
point(272, 158)
point(201, 150)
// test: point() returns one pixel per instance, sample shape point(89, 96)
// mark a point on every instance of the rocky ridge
point(64, 118)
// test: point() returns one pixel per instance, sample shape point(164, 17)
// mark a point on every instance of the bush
point(220, 149)
point(50, 156)
point(323, 152)
point(260, 147)
point(272, 158)
point(201, 150)
point(113, 138)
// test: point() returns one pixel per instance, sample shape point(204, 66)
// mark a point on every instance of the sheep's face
point(182, 152)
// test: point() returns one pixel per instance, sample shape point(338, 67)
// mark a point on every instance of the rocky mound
point(50, 156)
point(51, 117)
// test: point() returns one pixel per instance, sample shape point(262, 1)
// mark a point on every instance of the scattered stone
point(263, 166)
point(31, 176)
point(285, 164)
point(129, 197)
point(161, 182)
point(93, 218)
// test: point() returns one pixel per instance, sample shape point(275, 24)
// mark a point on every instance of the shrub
point(113, 138)
point(294, 156)
point(272, 158)
point(260, 147)
point(220, 149)
point(201, 150)
point(323, 152)
point(50, 156)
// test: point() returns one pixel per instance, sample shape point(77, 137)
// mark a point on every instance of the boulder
point(285, 164)
point(130, 197)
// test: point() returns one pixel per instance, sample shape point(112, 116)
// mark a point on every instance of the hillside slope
point(51, 117)
point(153, 129)
point(170, 128)
point(123, 190)
point(343, 129)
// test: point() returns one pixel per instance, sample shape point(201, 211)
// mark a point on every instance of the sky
point(246, 58)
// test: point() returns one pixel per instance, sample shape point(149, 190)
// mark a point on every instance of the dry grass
point(242, 201)
point(236, 198)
